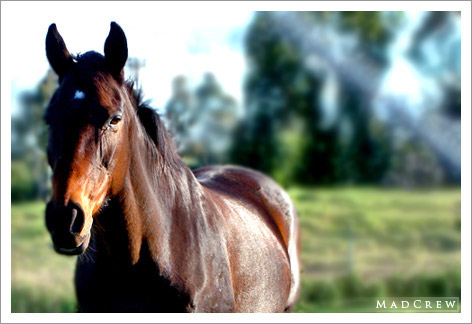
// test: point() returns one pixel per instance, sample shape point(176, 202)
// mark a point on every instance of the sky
point(171, 38)
point(174, 39)
point(420, 84)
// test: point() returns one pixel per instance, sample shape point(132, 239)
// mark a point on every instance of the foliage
point(283, 95)
point(202, 121)
point(438, 33)
point(29, 137)
point(373, 28)
point(22, 184)
point(414, 165)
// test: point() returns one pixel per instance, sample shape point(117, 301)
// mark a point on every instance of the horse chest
point(106, 288)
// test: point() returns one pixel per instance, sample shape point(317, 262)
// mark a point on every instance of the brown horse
point(152, 235)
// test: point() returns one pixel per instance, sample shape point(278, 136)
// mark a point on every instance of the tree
point(283, 96)
point(202, 121)
point(29, 138)
point(179, 112)
point(278, 92)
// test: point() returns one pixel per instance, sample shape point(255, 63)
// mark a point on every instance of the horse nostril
point(73, 217)
point(64, 220)
point(77, 219)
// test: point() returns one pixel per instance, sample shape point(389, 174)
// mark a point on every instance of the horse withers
point(151, 235)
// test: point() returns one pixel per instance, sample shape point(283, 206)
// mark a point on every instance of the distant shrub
point(351, 286)
point(342, 291)
point(325, 293)
point(438, 285)
point(439, 239)
point(375, 289)
point(22, 183)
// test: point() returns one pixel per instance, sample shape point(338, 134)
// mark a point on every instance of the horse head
point(87, 117)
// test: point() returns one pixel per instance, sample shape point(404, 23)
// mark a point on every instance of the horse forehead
point(76, 106)
point(89, 80)
point(95, 91)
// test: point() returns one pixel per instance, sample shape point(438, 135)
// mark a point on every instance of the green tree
point(278, 90)
point(284, 96)
point(29, 138)
point(201, 120)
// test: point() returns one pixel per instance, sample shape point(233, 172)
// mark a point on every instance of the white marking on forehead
point(79, 95)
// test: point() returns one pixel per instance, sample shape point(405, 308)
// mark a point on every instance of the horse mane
point(91, 62)
point(154, 126)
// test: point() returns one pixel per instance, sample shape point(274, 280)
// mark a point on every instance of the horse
point(150, 234)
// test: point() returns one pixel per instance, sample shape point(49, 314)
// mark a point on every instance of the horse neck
point(156, 191)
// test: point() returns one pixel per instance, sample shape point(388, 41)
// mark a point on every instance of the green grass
point(41, 279)
point(356, 242)
point(378, 242)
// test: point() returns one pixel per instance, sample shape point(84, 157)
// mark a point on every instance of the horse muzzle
point(66, 226)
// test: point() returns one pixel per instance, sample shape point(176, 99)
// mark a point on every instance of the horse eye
point(114, 121)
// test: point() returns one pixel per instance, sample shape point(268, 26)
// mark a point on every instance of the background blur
point(356, 114)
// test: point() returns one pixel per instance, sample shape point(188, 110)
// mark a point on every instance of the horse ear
point(56, 51)
point(116, 51)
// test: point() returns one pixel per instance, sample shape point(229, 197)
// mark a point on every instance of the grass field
point(356, 242)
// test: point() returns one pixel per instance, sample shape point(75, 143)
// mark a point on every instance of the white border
point(8, 41)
